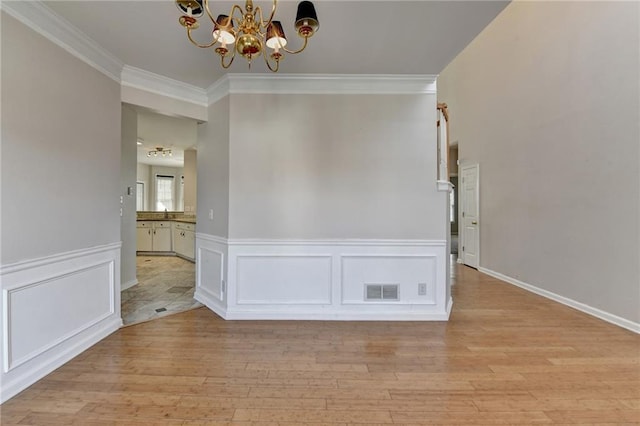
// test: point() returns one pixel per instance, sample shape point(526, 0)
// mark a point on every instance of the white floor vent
point(377, 292)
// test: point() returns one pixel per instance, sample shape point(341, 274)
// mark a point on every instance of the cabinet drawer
point(185, 226)
point(143, 224)
point(162, 224)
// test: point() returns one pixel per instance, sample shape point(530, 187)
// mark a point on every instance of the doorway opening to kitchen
point(166, 175)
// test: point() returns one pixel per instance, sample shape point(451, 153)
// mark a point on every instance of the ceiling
point(157, 130)
point(355, 37)
point(417, 37)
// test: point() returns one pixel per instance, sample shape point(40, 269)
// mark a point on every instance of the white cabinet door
point(178, 242)
point(189, 244)
point(143, 239)
point(161, 239)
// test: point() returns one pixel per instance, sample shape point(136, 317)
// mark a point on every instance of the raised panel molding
point(405, 270)
point(54, 308)
point(283, 279)
point(92, 274)
point(37, 16)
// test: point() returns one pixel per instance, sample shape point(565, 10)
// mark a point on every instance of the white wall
point(127, 190)
point(334, 166)
point(545, 99)
point(60, 273)
point(190, 181)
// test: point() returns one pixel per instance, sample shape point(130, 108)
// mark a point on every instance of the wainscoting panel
point(211, 254)
point(284, 279)
point(53, 309)
point(408, 272)
point(324, 279)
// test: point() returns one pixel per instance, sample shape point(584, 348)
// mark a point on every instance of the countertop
point(183, 220)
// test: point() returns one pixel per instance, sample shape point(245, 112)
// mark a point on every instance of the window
point(164, 193)
point(139, 196)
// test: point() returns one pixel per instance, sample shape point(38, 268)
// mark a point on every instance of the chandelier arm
point(266, 23)
point(230, 62)
point(266, 60)
point(204, 46)
point(233, 10)
point(293, 52)
point(206, 7)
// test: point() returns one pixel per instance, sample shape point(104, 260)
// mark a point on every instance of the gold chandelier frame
point(252, 34)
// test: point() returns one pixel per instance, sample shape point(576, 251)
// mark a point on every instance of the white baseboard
point(598, 313)
point(329, 315)
point(210, 301)
point(129, 284)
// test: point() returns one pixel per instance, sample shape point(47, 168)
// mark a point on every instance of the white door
point(470, 215)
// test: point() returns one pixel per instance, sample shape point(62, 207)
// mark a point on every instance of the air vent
point(377, 292)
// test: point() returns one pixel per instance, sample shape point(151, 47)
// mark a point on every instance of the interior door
point(470, 215)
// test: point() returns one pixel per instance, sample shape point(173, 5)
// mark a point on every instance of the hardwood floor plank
point(505, 357)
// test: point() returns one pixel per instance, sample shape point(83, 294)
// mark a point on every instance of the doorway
point(470, 216)
point(160, 157)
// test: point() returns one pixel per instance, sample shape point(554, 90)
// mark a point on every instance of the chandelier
point(159, 151)
point(248, 33)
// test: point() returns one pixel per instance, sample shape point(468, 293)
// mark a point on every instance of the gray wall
point(60, 149)
point(546, 100)
point(213, 171)
point(333, 166)
point(128, 169)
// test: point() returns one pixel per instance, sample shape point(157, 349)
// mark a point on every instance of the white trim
point(164, 86)
point(38, 17)
point(321, 84)
point(55, 258)
point(449, 307)
point(444, 186)
point(212, 238)
point(306, 314)
point(330, 242)
point(10, 388)
point(208, 299)
point(598, 313)
point(218, 90)
point(128, 284)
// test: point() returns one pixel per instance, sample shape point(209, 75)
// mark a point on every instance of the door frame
point(462, 208)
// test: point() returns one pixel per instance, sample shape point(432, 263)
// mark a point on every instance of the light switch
point(211, 214)
point(121, 200)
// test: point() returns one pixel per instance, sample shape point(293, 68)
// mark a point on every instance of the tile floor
point(164, 282)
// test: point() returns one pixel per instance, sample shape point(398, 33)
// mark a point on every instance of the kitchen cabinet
point(153, 236)
point(184, 242)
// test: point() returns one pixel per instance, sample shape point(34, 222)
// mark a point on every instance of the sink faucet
point(166, 214)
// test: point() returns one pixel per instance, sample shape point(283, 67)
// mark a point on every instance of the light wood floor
point(506, 356)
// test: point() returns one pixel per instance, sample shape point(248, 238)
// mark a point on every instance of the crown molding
point(161, 85)
point(46, 22)
point(361, 84)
